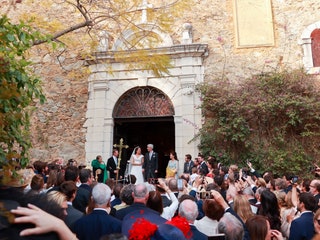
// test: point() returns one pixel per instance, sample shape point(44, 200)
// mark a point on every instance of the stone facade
point(59, 127)
point(106, 88)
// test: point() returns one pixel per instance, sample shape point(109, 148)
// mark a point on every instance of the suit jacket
point(73, 216)
point(86, 186)
point(302, 227)
point(150, 165)
point(115, 202)
point(204, 168)
point(187, 168)
point(95, 225)
point(120, 214)
point(111, 167)
point(196, 234)
point(82, 199)
point(143, 212)
point(317, 197)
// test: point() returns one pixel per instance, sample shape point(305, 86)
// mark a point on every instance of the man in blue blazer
point(138, 210)
point(302, 227)
point(99, 222)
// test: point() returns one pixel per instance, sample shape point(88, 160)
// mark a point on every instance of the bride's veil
point(129, 161)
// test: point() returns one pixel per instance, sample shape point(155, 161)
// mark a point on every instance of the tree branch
point(88, 23)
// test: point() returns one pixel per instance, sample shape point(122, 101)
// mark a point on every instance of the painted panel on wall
point(253, 23)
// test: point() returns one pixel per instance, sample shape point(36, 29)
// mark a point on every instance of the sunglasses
point(318, 221)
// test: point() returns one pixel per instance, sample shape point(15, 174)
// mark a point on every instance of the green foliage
point(19, 88)
point(271, 119)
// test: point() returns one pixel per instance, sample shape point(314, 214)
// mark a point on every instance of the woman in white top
point(155, 202)
point(208, 225)
point(136, 162)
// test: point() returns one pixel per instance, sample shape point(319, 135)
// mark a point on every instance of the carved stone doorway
point(144, 115)
point(173, 98)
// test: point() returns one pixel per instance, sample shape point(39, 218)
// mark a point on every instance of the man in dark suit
point(203, 168)
point(302, 227)
point(150, 165)
point(116, 193)
point(69, 188)
point(112, 164)
point(99, 222)
point(140, 197)
point(138, 210)
point(86, 179)
point(188, 164)
point(189, 210)
point(81, 200)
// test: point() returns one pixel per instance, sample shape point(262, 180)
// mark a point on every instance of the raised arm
point(43, 221)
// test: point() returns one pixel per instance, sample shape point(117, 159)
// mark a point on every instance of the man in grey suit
point(150, 165)
point(188, 164)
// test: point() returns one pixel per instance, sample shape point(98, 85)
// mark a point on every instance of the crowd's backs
point(237, 203)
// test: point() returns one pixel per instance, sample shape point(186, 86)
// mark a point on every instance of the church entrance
point(144, 115)
point(134, 104)
point(142, 131)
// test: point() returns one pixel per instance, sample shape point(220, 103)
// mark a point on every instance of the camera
point(153, 181)
point(294, 179)
point(205, 195)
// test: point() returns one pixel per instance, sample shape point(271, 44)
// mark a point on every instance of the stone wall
point(58, 126)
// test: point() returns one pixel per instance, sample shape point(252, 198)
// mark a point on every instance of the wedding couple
point(144, 167)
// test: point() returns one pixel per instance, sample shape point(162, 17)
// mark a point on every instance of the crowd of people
point(207, 200)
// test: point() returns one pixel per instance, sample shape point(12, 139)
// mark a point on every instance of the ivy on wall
point(271, 119)
point(19, 88)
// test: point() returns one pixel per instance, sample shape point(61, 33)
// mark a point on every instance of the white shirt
point(115, 160)
point(168, 212)
point(207, 226)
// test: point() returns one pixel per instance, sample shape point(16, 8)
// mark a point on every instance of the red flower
point(182, 224)
point(142, 230)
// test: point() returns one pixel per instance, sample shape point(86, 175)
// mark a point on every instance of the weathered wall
point(214, 24)
point(57, 128)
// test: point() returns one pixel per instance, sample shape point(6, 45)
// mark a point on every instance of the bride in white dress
point(136, 162)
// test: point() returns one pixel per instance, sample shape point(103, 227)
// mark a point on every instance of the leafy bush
point(272, 119)
point(19, 88)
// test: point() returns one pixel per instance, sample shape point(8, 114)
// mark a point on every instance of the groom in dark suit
point(112, 164)
point(150, 165)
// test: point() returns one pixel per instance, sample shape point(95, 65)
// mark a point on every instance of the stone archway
point(143, 102)
point(109, 96)
point(145, 115)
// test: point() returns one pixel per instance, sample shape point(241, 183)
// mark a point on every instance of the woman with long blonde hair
point(242, 207)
